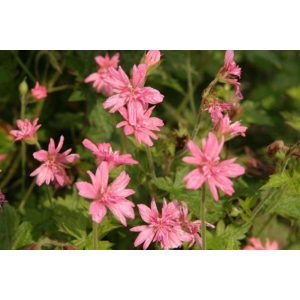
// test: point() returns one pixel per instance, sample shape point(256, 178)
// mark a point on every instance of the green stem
point(202, 217)
point(150, 162)
point(59, 88)
point(23, 154)
point(11, 171)
point(95, 235)
point(205, 95)
point(49, 195)
point(23, 66)
point(26, 196)
point(190, 84)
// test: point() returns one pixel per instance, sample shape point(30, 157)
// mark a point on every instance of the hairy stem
point(150, 162)
point(202, 217)
point(26, 196)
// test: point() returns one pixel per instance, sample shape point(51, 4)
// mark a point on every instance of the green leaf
point(23, 236)
point(8, 225)
point(288, 207)
point(292, 120)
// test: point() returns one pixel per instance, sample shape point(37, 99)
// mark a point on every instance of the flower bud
point(23, 87)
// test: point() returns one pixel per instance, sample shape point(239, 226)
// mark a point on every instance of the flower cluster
point(219, 110)
point(103, 195)
point(257, 245)
point(98, 78)
point(130, 97)
point(171, 228)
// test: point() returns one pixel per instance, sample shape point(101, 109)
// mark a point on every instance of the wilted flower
point(163, 228)
point(131, 92)
point(104, 196)
point(215, 109)
point(257, 245)
point(104, 152)
point(209, 167)
point(26, 131)
point(98, 78)
point(39, 92)
point(231, 72)
point(192, 228)
point(143, 126)
point(2, 157)
point(2, 199)
point(152, 58)
point(53, 164)
point(229, 130)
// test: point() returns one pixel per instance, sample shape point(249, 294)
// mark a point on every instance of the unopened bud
point(23, 87)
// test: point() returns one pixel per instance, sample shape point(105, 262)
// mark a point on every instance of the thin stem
point(205, 95)
point(37, 144)
point(190, 84)
point(11, 171)
point(26, 196)
point(60, 88)
point(23, 154)
point(49, 195)
point(259, 207)
point(202, 217)
point(23, 66)
point(95, 235)
point(150, 162)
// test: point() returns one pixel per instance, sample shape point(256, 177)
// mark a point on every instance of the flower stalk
point(95, 236)
point(202, 216)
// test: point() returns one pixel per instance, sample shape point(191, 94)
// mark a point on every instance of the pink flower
point(104, 196)
point(143, 126)
point(215, 109)
point(164, 228)
point(257, 245)
point(104, 152)
point(231, 72)
point(130, 92)
point(226, 128)
point(27, 130)
point(98, 78)
point(209, 167)
point(152, 58)
point(54, 164)
point(39, 92)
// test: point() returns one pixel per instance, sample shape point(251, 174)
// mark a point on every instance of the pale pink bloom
point(231, 72)
point(104, 196)
point(257, 245)
point(131, 92)
point(152, 58)
point(209, 167)
point(2, 157)
point(228, 129)
point(104, 152)
point(26, 130)
point(53, 164)
point(143, 126)
point(2, 199)
point(98, 78)
point(163, 228)
point(216, 108)
point(39, 92)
